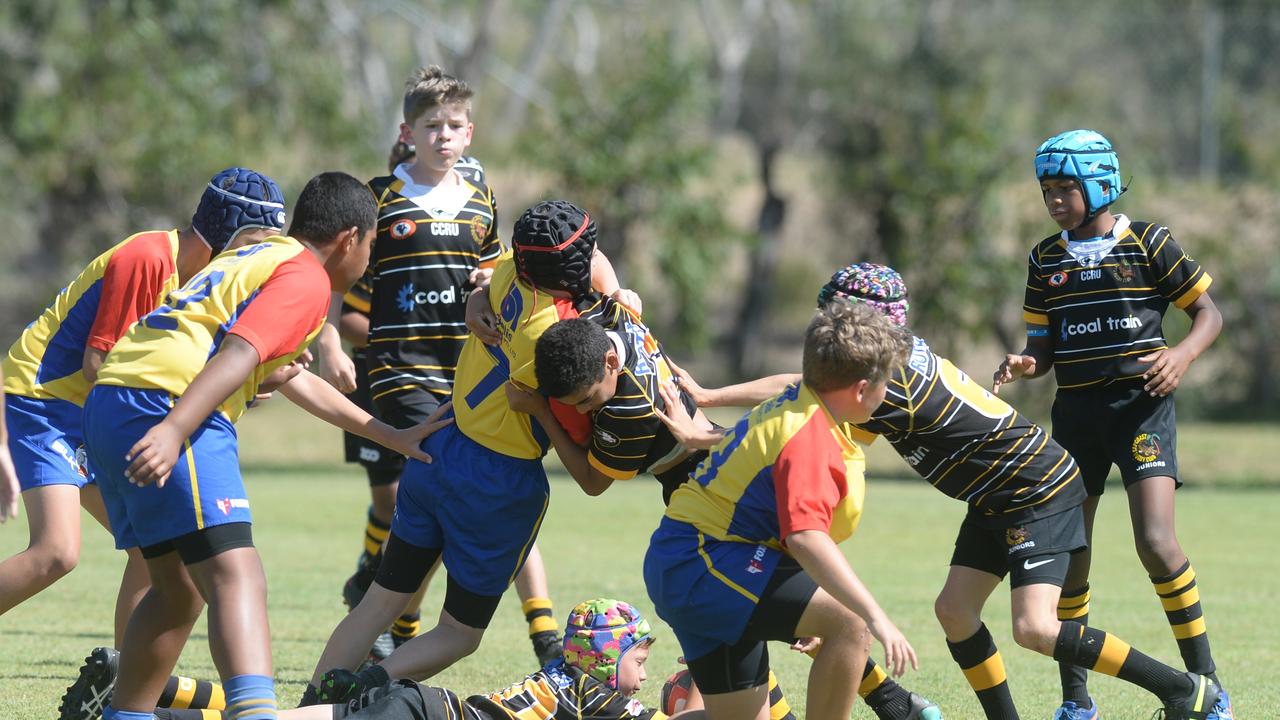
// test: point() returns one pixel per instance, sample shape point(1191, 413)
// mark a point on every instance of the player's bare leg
point(156, 634)
point(846, 643)
point(350, 641)
point(428, 654)
point(135, 580)
point(1151, 510)
point(53, 517)
point(535, 603)
point(750, 704)
point(235, 586)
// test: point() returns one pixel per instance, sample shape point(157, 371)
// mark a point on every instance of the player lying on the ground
point(746, 553)
point(1024, 494)
point(613, 374)
point(170, 390)
point(606, 645)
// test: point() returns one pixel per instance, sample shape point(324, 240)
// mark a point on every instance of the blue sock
point(250, 697)
point(110, 713)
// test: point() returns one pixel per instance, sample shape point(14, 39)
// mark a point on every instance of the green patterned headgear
point(599, 632)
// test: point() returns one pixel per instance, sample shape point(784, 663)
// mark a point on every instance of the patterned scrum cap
point(237, 199)
point(599, 632)
point(879, 286)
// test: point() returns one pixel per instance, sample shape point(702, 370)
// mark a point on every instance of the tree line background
point(733, 152)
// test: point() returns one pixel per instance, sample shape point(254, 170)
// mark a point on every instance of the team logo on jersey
point(1146, 447)
point(606, 438)
point(1057, 279)
point(479, 228)
point(226, 505)
point(1090, 274)
point(1123, 271)
point(409, 297)
point(402, 229)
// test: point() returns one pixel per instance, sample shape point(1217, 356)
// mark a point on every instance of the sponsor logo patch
point(756, 565)
point(409, 297)
point(1057, 279)
point(226, 505)
point(606, 438)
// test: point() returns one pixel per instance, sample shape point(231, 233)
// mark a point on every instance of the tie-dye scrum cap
point(599, 632)
point(879, 286)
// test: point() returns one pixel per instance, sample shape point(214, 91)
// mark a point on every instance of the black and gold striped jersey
point(1103, 311)
point(970, 444)
point(558, 692)
point(429, 240)
point(627, 436)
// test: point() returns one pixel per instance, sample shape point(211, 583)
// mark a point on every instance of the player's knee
point(1036, 633)
point(54, 560)
point(952, 614)
point(1157, 547)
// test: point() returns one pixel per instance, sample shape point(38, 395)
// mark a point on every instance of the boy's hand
point(1013, 367)
point(284, 374)
point(408, 442)
point(481, 320)
point(897, 651)
point(525, 400)
point(152, 458)
point(807, 645)
point(9, 488)
point(337, 368)
point(480, 277)
point(1167, 368)
point(628, 298)
point(699, 394)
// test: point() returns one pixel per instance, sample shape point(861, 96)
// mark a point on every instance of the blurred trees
point(734, 152)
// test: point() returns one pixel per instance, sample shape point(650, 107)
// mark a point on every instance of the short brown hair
point(848, 342)
point(430, 87)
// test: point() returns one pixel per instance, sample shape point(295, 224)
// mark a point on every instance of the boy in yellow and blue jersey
point(746, 552)
point(1095, 300)
point(493, 455)
point(159, 431)
point(619, 376)
point(50, 368)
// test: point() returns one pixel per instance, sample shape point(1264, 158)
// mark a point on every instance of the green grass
point(309, 513)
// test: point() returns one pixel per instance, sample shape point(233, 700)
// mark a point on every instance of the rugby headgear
point(553, 243)
point(879, 286)
point(599, 632)
point(236, 199)
point(1086, 157)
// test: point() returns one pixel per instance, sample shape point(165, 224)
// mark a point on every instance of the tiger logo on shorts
point(1146, 447)
point(1015, 536)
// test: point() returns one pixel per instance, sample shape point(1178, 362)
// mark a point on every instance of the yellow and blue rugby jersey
point(627, 436)
point(479, 401)
point(786, 466)
point(93, 310)
point(1102, 317)
point(429, 241)
point(274, 295)
point(969, 443)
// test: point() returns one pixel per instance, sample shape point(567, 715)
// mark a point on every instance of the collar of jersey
point(1092, 251)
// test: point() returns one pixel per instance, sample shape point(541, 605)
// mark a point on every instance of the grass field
point(309, 512)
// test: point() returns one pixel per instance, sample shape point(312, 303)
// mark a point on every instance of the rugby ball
point(675, 692)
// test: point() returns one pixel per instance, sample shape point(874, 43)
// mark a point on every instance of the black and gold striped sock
point(779, 708)
point(886, 698)
point(1103, 652)
point(983, 667)
point(538, 613)
point(375, 534)
point(406, 627)
point(1074, 605)
point(183, 692)
point(1181, 600)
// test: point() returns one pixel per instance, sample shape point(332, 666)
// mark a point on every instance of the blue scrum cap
point(236, 199)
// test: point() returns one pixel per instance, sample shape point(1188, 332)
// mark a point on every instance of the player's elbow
point(595, 484)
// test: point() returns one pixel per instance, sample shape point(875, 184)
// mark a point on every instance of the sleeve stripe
point(608, 471)
point(1190, 296)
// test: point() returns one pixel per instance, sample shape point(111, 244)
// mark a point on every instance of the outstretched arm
point(1035, 360)
point(746, 394)
point(683, 427)
point(818, 555)
point(319, 398)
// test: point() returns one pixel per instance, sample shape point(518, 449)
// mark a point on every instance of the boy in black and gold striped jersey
point(1024, 493)
point(1095, 300)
